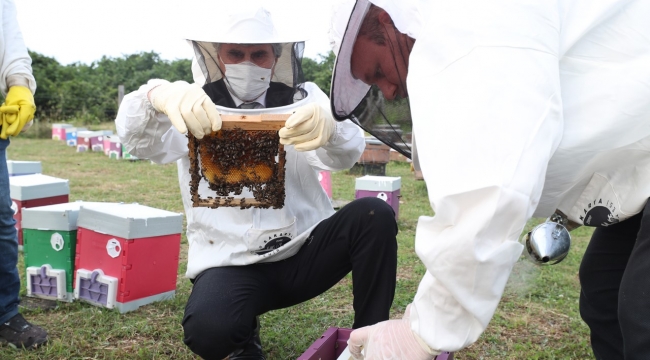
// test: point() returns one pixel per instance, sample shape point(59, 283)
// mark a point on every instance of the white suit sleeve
point(345, 145)
point(146, 133)
point(15, 59)
point(487, 114)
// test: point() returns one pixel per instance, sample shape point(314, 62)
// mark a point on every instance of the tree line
point(88, 93)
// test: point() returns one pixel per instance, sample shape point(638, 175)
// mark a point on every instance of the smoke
point(523, 277)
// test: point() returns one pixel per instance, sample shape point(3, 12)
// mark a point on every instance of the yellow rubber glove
point(391, 339)
point(187, 106)
point(17, 110)
point(308, 128)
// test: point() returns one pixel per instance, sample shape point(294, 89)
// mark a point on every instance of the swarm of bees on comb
point(245, 153)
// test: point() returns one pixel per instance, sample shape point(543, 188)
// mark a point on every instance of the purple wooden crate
point(391, 197)
point(332, 343)
point(329, 346)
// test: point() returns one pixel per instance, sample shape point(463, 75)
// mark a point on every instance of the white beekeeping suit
point(520, 109)
point(232, 236)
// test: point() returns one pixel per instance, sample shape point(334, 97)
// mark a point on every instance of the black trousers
point(615, 296)
point(360, 237)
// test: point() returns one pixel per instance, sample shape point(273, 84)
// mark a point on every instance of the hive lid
point(87, 134)
point(24, 167)
point(61, 126)
point(37, 186)
point(378, 183)
point(59, 217)
point(129, 221)
point(74, 129)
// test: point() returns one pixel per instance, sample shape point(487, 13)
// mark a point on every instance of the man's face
point(259, 54)
point(383, 65)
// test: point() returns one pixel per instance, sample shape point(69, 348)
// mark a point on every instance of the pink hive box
point(91, 140)
point(126, 255)
point(114, 147)
point(106, 142)
point(384, 187)
point(58, 131)
point(332, 343)
point(18, 168)
point(325, 179)
point(34, 190)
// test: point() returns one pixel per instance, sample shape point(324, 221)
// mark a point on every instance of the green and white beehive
point(49, 241)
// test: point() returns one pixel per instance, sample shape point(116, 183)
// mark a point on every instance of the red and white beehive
point(91, 140)
point(33, 190)
point(386, 188)
point(126, 255)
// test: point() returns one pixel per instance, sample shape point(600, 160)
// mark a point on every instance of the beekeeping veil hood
point(250, 26)
point(351, 98)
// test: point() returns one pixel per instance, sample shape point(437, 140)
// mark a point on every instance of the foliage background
point(87, 94)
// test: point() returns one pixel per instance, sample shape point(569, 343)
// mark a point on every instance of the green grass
point(537, 319)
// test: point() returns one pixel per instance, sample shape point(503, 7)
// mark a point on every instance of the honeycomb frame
point(228, 172)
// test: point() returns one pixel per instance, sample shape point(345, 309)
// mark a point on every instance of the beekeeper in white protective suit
point(527, 109)
point(244, 263)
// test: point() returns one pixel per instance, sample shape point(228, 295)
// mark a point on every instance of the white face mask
point(246, 80)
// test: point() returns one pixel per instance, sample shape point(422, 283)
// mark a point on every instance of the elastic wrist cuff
point(17, 80)
point(424, 345)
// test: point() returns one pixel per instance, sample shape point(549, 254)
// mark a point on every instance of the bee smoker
point(548, 243)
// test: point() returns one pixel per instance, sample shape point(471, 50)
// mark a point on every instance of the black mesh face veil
point(288, 65)
point(387, 121)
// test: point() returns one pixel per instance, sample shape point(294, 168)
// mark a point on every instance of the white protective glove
point(391, 339)
point(308, 128)
point(187, 106)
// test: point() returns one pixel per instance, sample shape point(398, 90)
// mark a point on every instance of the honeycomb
point(234, 159)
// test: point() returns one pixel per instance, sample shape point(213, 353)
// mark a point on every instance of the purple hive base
point(92, 290)
point(332, 343)
point(44, 285)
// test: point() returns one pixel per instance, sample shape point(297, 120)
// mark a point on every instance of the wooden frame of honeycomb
point(240, 155)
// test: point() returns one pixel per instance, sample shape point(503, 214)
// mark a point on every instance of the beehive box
point(375, 152)
point(386, 188)
point(126, 255)
point(34, 190)
point(97, 143)
point(71, 135)
point(333, 342)
point(325, 179)
point(18, 168)
point(50, 237)
point(126, 155)
point(58, 131)
point(106, 142)
point(91, 140)
point(114, 147)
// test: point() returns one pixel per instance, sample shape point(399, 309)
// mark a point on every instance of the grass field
point(537, 319)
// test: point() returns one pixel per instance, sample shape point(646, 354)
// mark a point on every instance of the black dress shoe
point(252, 350)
